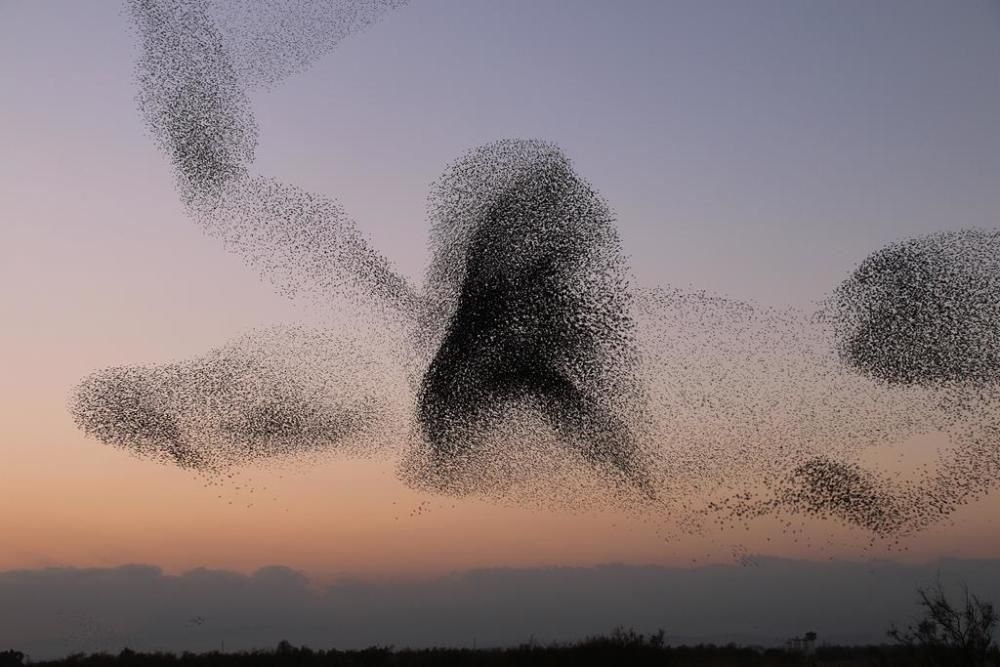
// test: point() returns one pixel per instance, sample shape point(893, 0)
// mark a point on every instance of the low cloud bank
point(56, 611)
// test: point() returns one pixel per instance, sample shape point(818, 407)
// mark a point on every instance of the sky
point(754, 150)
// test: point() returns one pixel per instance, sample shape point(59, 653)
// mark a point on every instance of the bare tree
point(949, 634)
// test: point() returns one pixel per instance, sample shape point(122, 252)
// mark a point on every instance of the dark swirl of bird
point(528, 366)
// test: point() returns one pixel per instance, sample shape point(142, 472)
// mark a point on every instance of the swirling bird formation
point(527, 365)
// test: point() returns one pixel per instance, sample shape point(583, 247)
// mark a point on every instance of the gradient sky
point(758, 150)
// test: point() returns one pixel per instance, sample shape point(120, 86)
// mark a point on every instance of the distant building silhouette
point(806, 644)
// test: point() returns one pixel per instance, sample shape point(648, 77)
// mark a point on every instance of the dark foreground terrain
point(619, 648)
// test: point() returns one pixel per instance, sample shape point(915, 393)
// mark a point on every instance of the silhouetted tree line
point(622, 647)
point(947, 635)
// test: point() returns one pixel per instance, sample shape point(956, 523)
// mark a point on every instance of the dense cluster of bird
point(925, 311)
point(528, 314)
point(198, 63)
point(279, 391)
point(528, 368)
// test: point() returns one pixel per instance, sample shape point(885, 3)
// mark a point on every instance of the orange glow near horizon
point(90, 505)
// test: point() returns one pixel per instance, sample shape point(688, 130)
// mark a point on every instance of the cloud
point(56, 611)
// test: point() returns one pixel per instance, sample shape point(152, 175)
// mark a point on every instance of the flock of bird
point(528, 368)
